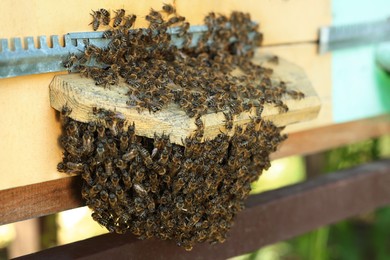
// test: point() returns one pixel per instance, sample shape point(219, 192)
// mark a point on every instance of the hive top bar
point(82, 95)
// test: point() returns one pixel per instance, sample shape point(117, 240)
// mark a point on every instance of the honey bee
point(183, 29)
point(108, 167)
point(70, 61)
point(129, 21)
point(115, 179)
point(146, 156)
point(167, 179)
point(102, 221)
point(95, 190)
point(130, 155)
point(96, 15)
point(139, 175)
point(87, 142)
point(228, 120)
point(173, 20)
point(178, 185)
point(274, 59)
point(104, 195)
point(120, 164)
point(295, 94)
point(105, 16)
point(112, 199)
point(283, 108)
point(100, 152)
point(164, 157)
point(74, 167)
point(119, 14)
point(126, 179)
point(72, 129)
point(169, 9)
point(140, 190)
point(101, 176)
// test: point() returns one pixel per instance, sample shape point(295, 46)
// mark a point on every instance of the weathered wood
point(269, 217)
point(81, 95)
point(39, 199)
point(327, 137)
point(49, 197)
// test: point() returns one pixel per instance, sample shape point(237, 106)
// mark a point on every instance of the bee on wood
point(295, 94)
point(74, 167)
point(274, 59)
point(96, 16)
point(283, 108)
point(70, 61)
point(228, 120)
point(119, 14)
point(129, 21)
point(105, 15)
point(169, 9)
point(183, 29)
point(64, 115)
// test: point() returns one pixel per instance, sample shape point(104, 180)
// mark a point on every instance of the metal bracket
point(16, 60)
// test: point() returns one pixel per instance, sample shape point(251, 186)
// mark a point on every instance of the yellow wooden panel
point(281, 21)
point(29, 131)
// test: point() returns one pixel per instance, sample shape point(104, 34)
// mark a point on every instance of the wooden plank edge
point(332, 136)
point(270, 217)
point(40, 199)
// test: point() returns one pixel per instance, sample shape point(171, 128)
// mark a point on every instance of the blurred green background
point(366, 236)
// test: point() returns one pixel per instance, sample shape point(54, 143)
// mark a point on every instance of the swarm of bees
point(188, 193)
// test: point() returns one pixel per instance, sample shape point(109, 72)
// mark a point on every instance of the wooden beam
point(328, 137)
point(35, 200)
point(39, 199)
point(269, 217)
point(81, 95)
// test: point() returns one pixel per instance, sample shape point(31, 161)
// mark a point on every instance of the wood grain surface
point(81, 95)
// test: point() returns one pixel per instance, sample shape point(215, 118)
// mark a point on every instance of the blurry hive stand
point(168, 140)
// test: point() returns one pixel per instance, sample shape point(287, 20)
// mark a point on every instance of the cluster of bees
point(154, 188)
point(187, 193)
